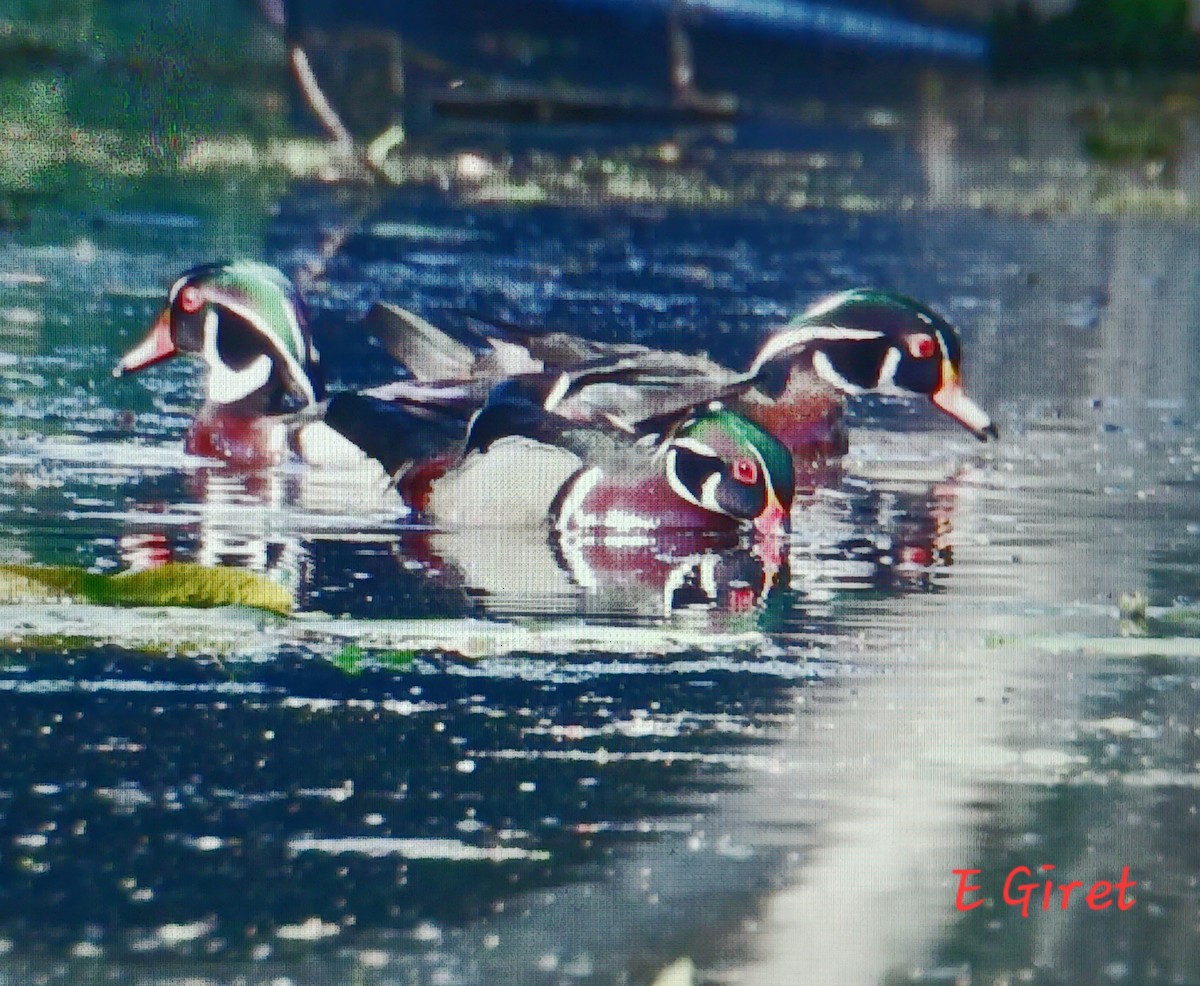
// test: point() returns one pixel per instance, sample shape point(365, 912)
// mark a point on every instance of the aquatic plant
point(175, 584)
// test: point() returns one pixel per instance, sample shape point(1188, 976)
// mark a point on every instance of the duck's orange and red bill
point(156, 347)
point(951, 399)
point(773, 521)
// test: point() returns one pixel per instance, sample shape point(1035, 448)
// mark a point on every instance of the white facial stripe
point(558, 391)
point(175, 289)
point(225, 385)
point(708, 493)
point(827, 373)
point(693, 445)
point(801, 338)
point(887, 373)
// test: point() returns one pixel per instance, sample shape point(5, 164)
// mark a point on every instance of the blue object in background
point(824, 20)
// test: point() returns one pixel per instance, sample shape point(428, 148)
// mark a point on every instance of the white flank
point(511, 485)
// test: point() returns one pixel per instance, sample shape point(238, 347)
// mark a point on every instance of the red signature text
point(1021, 891)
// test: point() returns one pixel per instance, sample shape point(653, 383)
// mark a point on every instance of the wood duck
point(855, 342)
point(519, 465)
point(264, 390)
point(248, 323)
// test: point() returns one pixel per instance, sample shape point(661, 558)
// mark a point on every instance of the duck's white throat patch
point(225, 384)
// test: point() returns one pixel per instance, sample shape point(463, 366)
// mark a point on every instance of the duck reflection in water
point(680, 574)
point(869, 537)
point(287, 525)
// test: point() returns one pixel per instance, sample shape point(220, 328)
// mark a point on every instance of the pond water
point(468, 759)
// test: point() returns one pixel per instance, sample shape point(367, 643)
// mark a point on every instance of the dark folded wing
point(395, 432)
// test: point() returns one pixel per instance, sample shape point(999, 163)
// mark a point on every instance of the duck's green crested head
point(870, 341)
point(247, 321)
point(726, 463)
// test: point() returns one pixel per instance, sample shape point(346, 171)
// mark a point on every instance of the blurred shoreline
point(99, 114)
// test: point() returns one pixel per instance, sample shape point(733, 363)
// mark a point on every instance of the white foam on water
point(450, 850)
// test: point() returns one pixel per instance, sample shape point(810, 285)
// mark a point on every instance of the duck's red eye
point(190, 300)
point(922, 346)
point(745, 471)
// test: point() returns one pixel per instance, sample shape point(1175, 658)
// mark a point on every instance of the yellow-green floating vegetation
point(176, 584)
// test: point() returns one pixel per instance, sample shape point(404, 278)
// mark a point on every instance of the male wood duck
point(264, 390)
point(521, 465)
point(855, 342)
point(248, 323)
